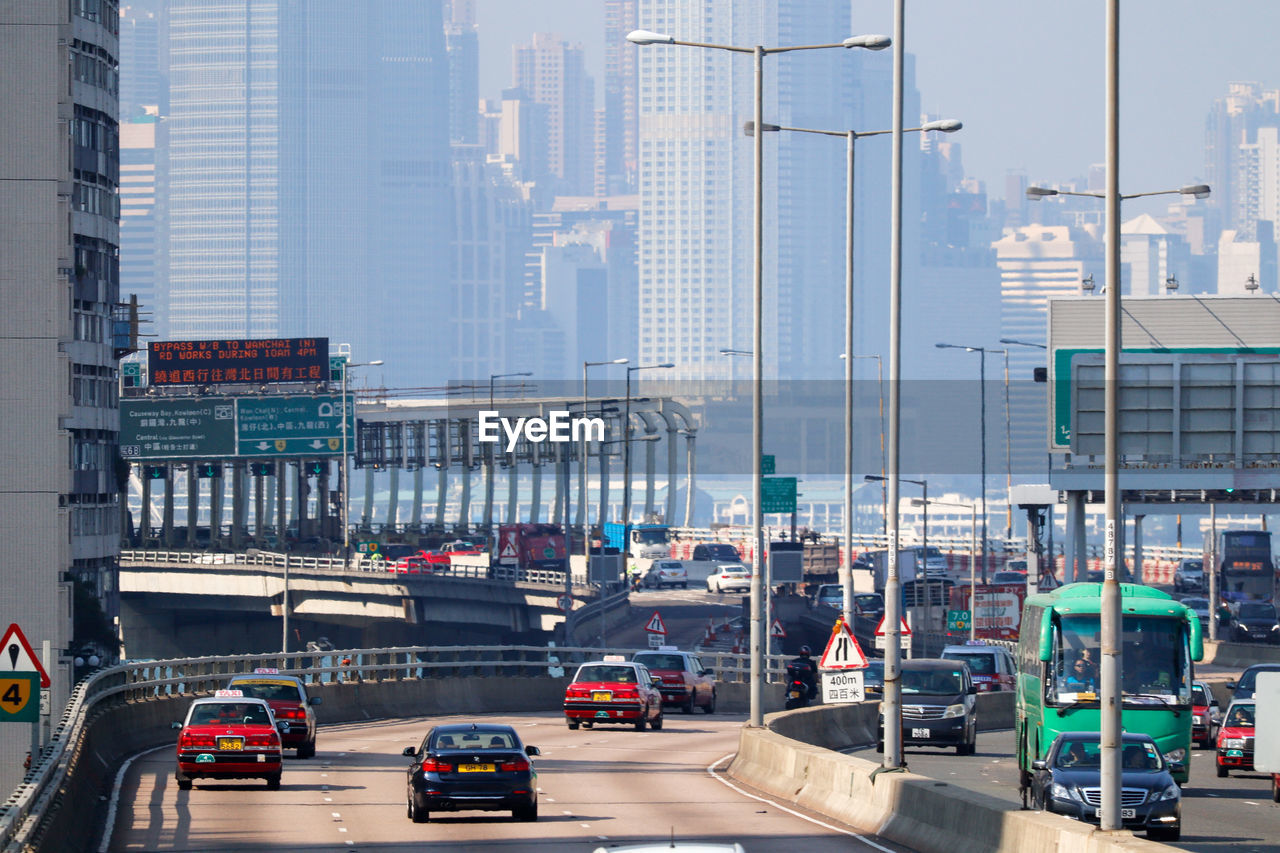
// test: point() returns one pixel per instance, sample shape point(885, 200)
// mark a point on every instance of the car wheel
point(1275, 788)
point(417, 815)
point(657, 722)
point(184, 784)
point(528, 813)
point(684, 586)
point(687, 707)
point(273, 782)
point(1222, 772)
point(710, 707)
point(308, 749)
point(1165, 833)
point(572, 724)
point(641, 721)
point(879, 746)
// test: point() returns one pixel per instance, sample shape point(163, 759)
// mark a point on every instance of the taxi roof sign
point(228, 694)
point(615, 658)
point(16, 655)
point(266, 670)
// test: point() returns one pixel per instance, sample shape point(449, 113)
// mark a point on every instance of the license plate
point(920, 733)
point(1235, 753)
point(475, 768)
point(601, 695)
point(1125, 814)
point(232, 743)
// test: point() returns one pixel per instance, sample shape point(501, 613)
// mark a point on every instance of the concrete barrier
point(1239, 654)
point(921, 813)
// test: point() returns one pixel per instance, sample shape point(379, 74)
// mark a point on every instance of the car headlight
point(1170, 793)
point(1234, 743)
point(1198, 718)
point(1176, 755)
point(1242, 626)
point(953, 711)
point(1061, 792)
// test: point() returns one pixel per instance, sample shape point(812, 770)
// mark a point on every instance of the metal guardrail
point(383, 568)
point(142, 680)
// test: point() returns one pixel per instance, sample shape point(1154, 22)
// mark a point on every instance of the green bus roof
point(1087, 598)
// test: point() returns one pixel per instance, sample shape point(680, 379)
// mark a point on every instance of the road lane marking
point(115, 797)
point(712, 771)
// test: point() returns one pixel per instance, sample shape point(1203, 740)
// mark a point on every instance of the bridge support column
point(535, 494)
point(238, 506)
point(464, 501)
point(144, 521)
point(215, 511)
point(672, 450)
point(650, 475)
point(1136, 576)
point(1077, 562)
point(167, 532)
point(487, 469)
point(691, 488)
point(602, 515)
point(259, 509)
point(366, 514)
point(415, 517)
point(193, 504)
point(300, 491)
point(282, 503)
point(442, 492)
point(513, 490)
point(557, 506)
point(323, 515)
point(393, 498)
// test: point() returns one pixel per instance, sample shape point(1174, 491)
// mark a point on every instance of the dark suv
point(939, 706)
point(1254, 622)
point(716, 551)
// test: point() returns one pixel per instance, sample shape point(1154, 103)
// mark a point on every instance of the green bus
point(1058, 657)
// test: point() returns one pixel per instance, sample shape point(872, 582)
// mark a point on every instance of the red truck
point(531, 546)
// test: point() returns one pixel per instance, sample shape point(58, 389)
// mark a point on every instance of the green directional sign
point(766, 464)
point(177, 427)
point(778, 494)
point(19, 697)
point(290, 426)
point(957, 620)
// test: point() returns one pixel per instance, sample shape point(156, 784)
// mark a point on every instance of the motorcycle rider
point(803, 668)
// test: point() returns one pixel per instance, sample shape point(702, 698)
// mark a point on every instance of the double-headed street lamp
point(346, 475)
point(982, 440)
point(851, 138)
point(1110, 609)
point(870, 42)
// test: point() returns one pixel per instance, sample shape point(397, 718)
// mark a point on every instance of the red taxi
point(415, 565)
point(228, 736)
point(287, 696)
point(1235, 738)
point(1204, 715)
point(613, 690)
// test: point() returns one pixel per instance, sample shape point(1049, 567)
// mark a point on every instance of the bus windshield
point(1155, 666)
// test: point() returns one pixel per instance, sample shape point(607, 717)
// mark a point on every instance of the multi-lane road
point(597, 788)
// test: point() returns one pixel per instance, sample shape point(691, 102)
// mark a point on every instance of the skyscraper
point(314, 200)
point(552, 72)
point(696, 180)
point(59, 279)
point(620, 102)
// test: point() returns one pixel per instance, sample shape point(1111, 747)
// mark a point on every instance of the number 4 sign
point(19, 702)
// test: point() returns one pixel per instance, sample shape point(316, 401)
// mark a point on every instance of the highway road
point(1217, 814)
point(598, 787)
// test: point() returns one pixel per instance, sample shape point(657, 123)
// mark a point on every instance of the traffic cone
point(711, 630)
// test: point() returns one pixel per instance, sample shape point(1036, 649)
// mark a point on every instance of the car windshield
point(1079, 754)
point(1249, 679)
point(229, 712)
point(932, 682)
point(474, 739)
point(1192, 567)
point(1008, 577)
point(1196, 603)
point(278, 691)
point(661, 661)
point(607, 672)
point(650, 536)
point(732, 570)
point(869, 601)
point(1264, 612)
point(873, 675)
point(980, 663)
point(1199, 696)
point(1240, 715)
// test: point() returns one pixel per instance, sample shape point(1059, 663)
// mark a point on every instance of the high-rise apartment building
point(620, 165)
point(59, 279)
point(696, 181)
point(141, 223)
point(1230, 129)
point(553, 73)
point(308, 188)
point(462, 41)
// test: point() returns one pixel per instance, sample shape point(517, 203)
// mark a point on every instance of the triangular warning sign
point(843, 651)
point(508, 549)
point(655, 625)
point(16, 655)
point(905, 630)
point(776, 630)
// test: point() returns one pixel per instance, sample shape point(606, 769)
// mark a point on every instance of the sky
point(1025, 76)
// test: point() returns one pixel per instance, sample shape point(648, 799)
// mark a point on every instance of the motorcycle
point(797, 694)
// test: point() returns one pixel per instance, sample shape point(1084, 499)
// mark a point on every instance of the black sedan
point(481, 766)
point(1068, 781)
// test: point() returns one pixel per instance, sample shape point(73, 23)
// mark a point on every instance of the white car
point(666, 573)
point(729, 578)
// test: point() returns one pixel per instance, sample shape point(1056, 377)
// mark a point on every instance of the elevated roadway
point(601, 787)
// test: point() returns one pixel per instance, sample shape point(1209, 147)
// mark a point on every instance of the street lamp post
point(851, 139)
point(489, 454)
point(924, 493)
point(583, 508)
point(346, 474)
point(982, 436)
point(1110, 614)
point(626, 446)
point(758, 52)
point(884, 497)
point(973, 554)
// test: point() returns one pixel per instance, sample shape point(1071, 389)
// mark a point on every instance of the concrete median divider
point(793, 758)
